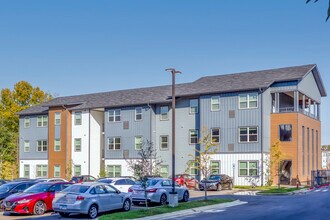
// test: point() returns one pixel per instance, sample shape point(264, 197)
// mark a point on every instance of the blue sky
point(75, 47)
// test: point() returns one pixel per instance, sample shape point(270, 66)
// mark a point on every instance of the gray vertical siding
point(32, 134)
point(229, 132)
point(136, 128)
point(266, 122)
point(57, 131)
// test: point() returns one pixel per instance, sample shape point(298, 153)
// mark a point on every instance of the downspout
point(89, 142)
point(261, 138)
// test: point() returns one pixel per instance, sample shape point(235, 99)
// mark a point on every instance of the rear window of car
point(152, 182)
point(105, 180)
point(76, 189)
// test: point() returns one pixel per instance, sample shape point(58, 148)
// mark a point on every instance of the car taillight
point(80, 198)
point(130, 190)
point(151, 190)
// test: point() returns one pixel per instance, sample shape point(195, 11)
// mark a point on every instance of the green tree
point(23, 96)
point(328, 14)
point(276, 156)
point(202, 157)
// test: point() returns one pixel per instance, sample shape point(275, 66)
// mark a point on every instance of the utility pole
point(173, 193)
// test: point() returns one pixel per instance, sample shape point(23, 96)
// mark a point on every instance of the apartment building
point(245, 113)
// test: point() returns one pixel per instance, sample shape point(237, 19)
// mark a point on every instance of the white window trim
point(190, 107)
point(114, 115)
point(41, 170)
point(248, 137)
point(114, 143)
point(218, 98)
point(135, 138)
point(26, 151)
point(29, 170)
point(167, 114)
point(74, 144)
point(190, 136)
point(167, 168)
point(58, 172)
point(74, 170)
point(248, 168)
point(55, 144)
point(218, 161)
point(75, 118)
point(212, 135)
point(44, 119)
point(27, 118)
point(195, 167)
point(114, 170)
point(161, 142)
point(138, 114)
point(42, 146)
point(57, 113)
point(248, 100)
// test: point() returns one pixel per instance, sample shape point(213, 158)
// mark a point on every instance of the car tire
point(185, 197)
point(136, 203)
point(219, 187)
point(127, 205)
point(64, 214)
point(163, 199)
point(39, 208)
point(92, 211)
point(231, 186)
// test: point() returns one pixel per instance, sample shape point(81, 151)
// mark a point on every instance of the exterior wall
point(229, 164)
point(183, 123)
point(293, 150)
point(80, 131)
point(33, 167)
point(136, 128)
point(32, 134)
point(309, 87)
point(266, 116)
point(229, 127)
point(96, 139)
point(122, 162)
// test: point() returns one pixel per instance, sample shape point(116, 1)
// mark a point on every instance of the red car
point(186, 180)
point(36, 199)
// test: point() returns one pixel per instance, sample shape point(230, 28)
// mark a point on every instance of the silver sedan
point(90, 198)
point(157, 191)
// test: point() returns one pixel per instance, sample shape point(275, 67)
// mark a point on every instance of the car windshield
point(37, 188)
point(76, 189)
point(214, 178)
point(6, 187)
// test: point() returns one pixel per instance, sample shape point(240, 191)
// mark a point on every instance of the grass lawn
point(256, 188)
point(161, 210)
point(281, 190)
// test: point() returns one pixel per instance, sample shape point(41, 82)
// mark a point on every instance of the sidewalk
point(194, 211)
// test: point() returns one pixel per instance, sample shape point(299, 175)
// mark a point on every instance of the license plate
point(8, 209)
point(63, 207)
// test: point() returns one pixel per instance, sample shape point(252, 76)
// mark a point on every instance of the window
point(57, 118)
point(27, 170)
point(42, 146)
point(193, 168)
point(164, 171)
point(215, 135)
point(77, 118)
point(248, 134)
point(215, 167)
point(57, 171)
point(114, 143)
point(285, 132)
point(57, 145)
point(215, 103)
point(114, 115)
point(42, 121)
point(114, 170)
point(248, 168)
point(193, 106)
point(77, 144)
point(164, 142)
point(77, 170)
point(249, 100)
point(42, 170)
point(26, 146)
point(138, 114)
point(164, 113)
point(26, 122)
point(193, 136)
point(138, 143)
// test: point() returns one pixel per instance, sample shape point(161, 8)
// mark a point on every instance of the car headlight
point(23, 201)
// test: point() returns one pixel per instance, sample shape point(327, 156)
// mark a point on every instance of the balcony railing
point(291, 109)
point(286, 109)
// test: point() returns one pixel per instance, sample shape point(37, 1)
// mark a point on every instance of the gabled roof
point(161, 94)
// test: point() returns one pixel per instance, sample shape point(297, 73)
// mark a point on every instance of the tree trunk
point(205, 191)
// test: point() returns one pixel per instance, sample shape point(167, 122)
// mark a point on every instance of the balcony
point(294, 101)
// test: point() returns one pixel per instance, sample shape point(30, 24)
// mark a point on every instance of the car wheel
point(92, 212)
point(136, 203)
point(39, 208)
point(231, 185)
point(63, 214)
point(185, 196)
point(163, 199)
point(127, 205)
point(219, 187)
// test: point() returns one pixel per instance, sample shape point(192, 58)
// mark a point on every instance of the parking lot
point(50, 215)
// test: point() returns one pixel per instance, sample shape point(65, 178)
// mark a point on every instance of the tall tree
point(23, 96)
point(328, 14)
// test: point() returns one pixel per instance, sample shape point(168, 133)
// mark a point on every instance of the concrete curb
point(283, 194)
point(193, 211)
